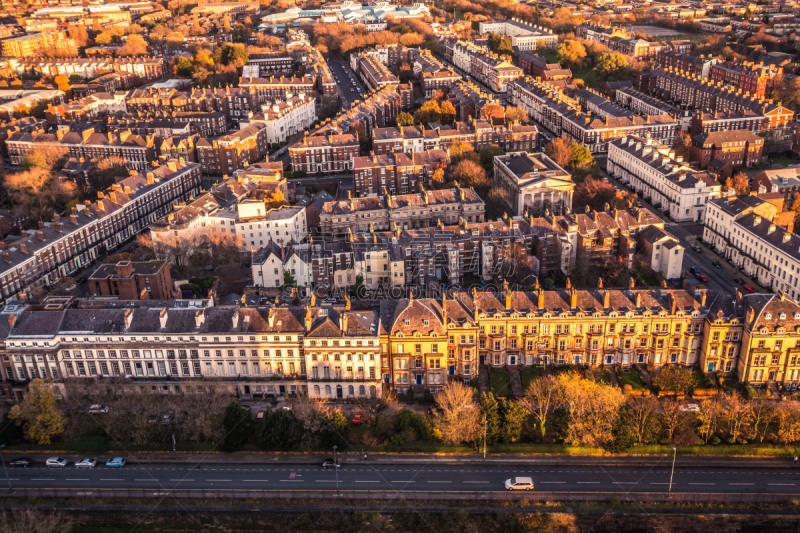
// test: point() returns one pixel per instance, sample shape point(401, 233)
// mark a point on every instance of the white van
point(519, 483)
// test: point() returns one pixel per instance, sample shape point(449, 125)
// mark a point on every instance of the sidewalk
point(738, 462)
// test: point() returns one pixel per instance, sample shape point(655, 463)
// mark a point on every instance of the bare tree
point(643, 411)
point(457, 417)
point(737, 414)
point(673, 417)
point(593, 410)
point(763, 414)
point(33, 521)
point(539, 399)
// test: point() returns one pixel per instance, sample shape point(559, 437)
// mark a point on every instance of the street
point(410, 477)
point(346, 79)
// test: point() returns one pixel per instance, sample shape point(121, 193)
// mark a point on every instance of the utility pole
point(674, 453)
point(485, 422)
point(336, 469)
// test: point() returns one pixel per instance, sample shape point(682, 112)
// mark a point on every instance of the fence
point(277, 494)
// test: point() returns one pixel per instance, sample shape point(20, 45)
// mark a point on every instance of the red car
point(702, 277)
point(358, 418)
point(749, 288)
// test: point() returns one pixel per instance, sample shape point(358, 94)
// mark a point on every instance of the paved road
point(349, 89)
point(404, 477)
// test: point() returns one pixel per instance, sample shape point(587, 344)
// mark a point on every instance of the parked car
point(695, 271)
point(116, 462)
point(738, 281)
point(330, 463)
point(56, 461)
point(749, 288)
point(23, 462)
point(716, 264)
point(519, 483)
point(358, 418)
point(97, 408)
point(696, 248)
point(702, 277)
point(690, 408)
point(88, 462)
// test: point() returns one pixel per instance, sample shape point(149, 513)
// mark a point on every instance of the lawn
point(498, 379)
point(527, 374)
point(631, 378)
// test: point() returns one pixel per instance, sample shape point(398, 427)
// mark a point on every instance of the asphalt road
point(349, 90)
point(404, 477)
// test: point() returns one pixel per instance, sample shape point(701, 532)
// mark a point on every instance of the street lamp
point(5, 469)
point(485, 422)
point(674, 454)
point(336, 469)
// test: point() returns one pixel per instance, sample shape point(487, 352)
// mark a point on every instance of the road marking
point(181, 480)
point(255, 480)
point(439, 481)
point(111, 479)
point(290, 480)
point(626, 482)
point(662, 483)
point(410, 481)
point(43, 479)
point(367, 481)
point(707, 483)
point(325, 481)
point(476, 482)
point(147, 479)
point(741, 483)
point(552, 482)
point(588, 482)
point(781, 484)
point(77, 479)
point(218, 480)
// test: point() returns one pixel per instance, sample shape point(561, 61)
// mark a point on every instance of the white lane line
point(781, 484)
point(221, 480)
point(626, 482)
point(741, 483)
point(403, 481)
point(111, 479)
point(290, 480)
point(324, 481)
point(147, 479)
point(662, 483)
point(367, 481)
point(43, 479)
point(588, 482)
point(552, 482)
point(439, 481)
point(476, 482)
point(181, 480)
point(702, 483)
point(77, 479)
point(255, 480)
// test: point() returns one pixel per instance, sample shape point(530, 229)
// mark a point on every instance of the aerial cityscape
point(296, 265)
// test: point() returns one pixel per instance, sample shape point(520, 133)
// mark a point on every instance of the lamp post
point(485, 422)
point(674, 454)
point(5, 468)
point(336, 469)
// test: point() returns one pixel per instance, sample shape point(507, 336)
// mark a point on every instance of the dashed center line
point(439, 481)
point(588, 482)
point(476, 482)
point(781, 484)
point(741, 483)
point(77, 479)
point(367, 481)
point(220, 480)
point(255, 480)
point(181, 480)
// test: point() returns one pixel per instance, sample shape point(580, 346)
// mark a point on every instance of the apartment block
point(234, 151)
point(486, 67)
point(397, 173)
point(524, 36)
point(654, 171)
point(757, 80)
point(285, 118)
point(324, 153)
point(685, 62)
point(735, 148)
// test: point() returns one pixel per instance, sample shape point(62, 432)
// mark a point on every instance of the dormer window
point(695, 315)
point(662, 315)
point(426, 322)
point(783, 316)
point(797, 316)
point(780, 330)
point(406, 322)
point(763, 331)
point(767, 315)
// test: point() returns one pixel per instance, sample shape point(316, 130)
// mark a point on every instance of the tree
point(763, 415)
point(470, 174)
point(404, 119)
point(492, 111)
point(428, 112)
point(241, 33)
point(135, 45)
point(460, 150)
point(683, 145)
point(490, 413)
point(183, 67)
point(611, 66)
point(488, 154)
point(516, 115)
point(275, 200)
point(514, 415)
point(571, 54)
point(737, 414)
point(673, 378)
point(642, 418)
point(788, 422)
point(740, 183)
point(593, 410)
point(228, 54)
point(288, 279)
point(237, 425)
point(673, 419)
point(37, 192)
point(539, 399)
point(559, 151)
point(456, 418)
point(581, 156)
point(62, 82)
point(448, 112)
point(438, 176)
point(709, 417)
point(279, 430)
point(39, 414)
point(106, 171)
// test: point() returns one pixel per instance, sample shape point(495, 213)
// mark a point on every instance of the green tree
point(404, 119)
point(488, 154)
point(230, 54)
point(241, 33)
point(288, 279)
point(581, 156)
point(39, 414)
point(514, 415)
point(611, 66)
point(673, 378)
point(183, 67)
point(237, 424)
point(279, 430)
point(490, 413)
point(428, 112)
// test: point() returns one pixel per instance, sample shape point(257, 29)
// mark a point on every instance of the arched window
point(328, 390)
point(351, 390)
point(362, 391)
point(316, 391)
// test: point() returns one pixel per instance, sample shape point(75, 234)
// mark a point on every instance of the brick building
point(735, 148)
point(129, 280)
point(233, 151)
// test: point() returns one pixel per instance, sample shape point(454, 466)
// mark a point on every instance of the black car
point(716, 264)
point(738, 281)
point(24, 462)
point(330, 463)
point(695, 271)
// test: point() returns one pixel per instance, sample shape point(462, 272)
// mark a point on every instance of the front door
point(512, 360)
point(482, 359)
point(418, 379)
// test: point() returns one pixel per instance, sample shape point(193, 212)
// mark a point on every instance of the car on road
point(749, 288)
point(690, 408)
point(116, 462)
point(695, 271)
point(330, 463)
point(738, 281)
point(702, 277)
point(358, 418)
point(23, 462)
point(519, 483)
point(716, 264)
point(87, 462)
point(696, 248)
point(97, 408)
point(56, 461)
